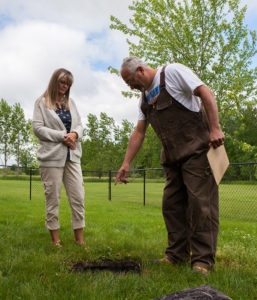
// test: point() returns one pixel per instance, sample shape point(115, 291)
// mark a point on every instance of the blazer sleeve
point(40, 130)
point(78, 127)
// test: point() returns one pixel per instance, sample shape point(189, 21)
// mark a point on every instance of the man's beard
point(138, 87)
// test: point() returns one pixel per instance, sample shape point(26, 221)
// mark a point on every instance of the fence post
point(30, 182)
point(144, 187)
point(110, 185)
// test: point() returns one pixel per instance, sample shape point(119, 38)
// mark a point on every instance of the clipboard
point(218, 161)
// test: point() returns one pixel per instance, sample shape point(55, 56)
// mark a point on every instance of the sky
point(39, 36)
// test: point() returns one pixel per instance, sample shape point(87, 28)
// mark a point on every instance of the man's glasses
point(131, 80)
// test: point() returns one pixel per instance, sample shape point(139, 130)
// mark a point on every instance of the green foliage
point(239, 151)
point(149, 154)
point(105, 143)
point(5, 132)
point(15, 135)
point(208, 36)
point(20, 132)
point(248, 125)
point(28, 155)
point(211, 37)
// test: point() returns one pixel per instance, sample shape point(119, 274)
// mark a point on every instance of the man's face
point(133, 80)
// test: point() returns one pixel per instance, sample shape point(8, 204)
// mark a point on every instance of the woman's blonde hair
point(51, 94)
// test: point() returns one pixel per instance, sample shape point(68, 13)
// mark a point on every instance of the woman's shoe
point(58, 244)
point(81, 243)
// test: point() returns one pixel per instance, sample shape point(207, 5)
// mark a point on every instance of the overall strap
point(162, 78)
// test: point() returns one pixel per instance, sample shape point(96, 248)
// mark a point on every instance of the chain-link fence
point(238, 188)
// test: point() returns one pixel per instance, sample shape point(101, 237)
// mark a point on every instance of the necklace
point(60, 101)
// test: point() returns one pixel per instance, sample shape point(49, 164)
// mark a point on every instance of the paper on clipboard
point(218, 161)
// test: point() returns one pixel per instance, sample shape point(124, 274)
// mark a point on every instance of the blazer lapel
point(56, 117)
point(72, 115)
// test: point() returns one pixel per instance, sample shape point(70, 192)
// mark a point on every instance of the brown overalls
point(190, 198)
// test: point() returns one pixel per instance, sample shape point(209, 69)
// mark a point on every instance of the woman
point(57, 124)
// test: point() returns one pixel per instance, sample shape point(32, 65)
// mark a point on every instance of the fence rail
point(238, 188)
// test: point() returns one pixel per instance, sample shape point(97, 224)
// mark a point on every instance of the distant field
point(31, 268)
point(237, 200)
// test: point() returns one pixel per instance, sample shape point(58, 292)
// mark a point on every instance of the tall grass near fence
point(31, 268)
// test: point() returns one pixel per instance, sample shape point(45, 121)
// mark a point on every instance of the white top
point(180, 83)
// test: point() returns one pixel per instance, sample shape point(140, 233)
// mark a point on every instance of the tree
point(91, 145)
point(248, 125)
point(121, 137)
point(239, 151)
point(98, 145)
point(20, 133)
point(105, 143)
point(16, 138)
point(5, 130)
point(209, 36)
point(28, 154)
point(149, 154)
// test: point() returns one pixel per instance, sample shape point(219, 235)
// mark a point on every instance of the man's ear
point(140, 69)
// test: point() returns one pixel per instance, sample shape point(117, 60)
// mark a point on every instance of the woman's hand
point(70, 140)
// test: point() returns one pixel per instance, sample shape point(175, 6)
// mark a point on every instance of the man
point(170, 103)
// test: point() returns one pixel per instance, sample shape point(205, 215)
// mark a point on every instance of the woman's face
point(63, 86)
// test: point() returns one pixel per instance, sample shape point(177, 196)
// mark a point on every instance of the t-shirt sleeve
point(183, 77)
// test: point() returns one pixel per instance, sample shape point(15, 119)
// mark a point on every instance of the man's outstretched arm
point(134, 144)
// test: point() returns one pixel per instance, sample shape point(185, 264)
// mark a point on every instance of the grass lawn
point(31, 268)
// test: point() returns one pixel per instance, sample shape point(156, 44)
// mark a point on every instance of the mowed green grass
point(237, 201)
point(31, 268)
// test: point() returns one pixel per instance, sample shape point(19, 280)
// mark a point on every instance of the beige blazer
point(49, 129)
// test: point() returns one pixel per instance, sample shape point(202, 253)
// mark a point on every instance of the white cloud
point(251, 5)
point(32, 50)
point(40, 36)
point(91, 16)
point(107, 99)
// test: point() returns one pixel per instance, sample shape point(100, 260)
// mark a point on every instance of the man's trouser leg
point(203, 209)
point(174, 209)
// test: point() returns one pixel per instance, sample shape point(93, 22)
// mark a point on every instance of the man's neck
point(152, 73)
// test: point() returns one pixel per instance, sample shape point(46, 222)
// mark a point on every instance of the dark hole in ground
point(120, 266)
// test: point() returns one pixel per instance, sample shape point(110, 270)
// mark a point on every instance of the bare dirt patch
point(118, 266)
